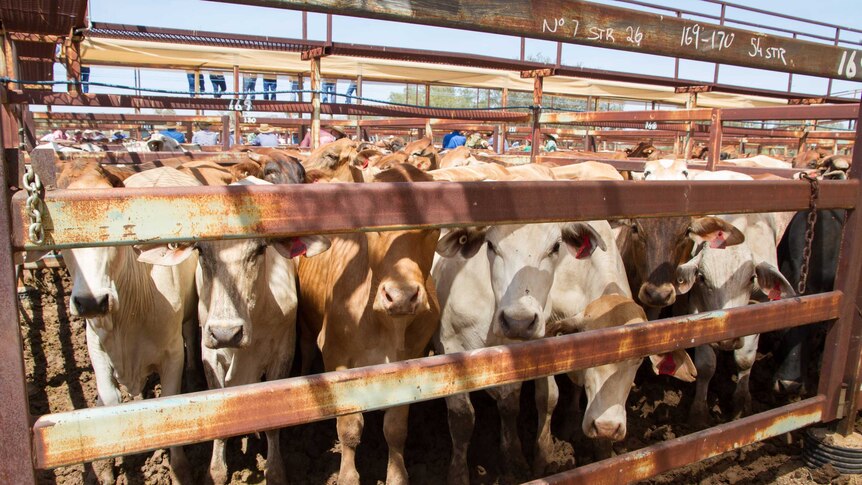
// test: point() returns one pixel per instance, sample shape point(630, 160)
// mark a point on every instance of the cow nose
point(611, 429)
point(401, 299)
point(518, 328)
point(225, 336)
point(91, 306)
point(657, 295)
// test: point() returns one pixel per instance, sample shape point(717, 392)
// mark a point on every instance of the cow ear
point(677, 364)
point(717, 232)
point(307, 246)
point(582, 239)
point(686, 275)
point(164, 254)
point(465, 241)
point(772, 282)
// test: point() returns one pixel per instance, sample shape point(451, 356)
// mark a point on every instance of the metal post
point(829, 85)
point(197, 88)
point(841, 353)
point(304, 25)
point(427, 94)
point(715, 129)
point(329, 29)
point(504, 102)
point(790, 75)
point(237, 132)
point(225, 132)
point(523, 48)
point(73, 66)
point(17, 465)
point(691, 103)
point(497, 148)
point(359, 101)
point(315, 102)
point(537, 114)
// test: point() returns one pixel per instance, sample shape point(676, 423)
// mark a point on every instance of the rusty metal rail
point(89, 434)
point(125, 216)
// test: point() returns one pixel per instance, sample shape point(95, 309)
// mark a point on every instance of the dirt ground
point(60, 378)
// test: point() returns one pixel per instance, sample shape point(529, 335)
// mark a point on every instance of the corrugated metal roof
point(51, 17)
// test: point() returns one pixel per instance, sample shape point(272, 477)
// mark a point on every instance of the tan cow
point(370, 300)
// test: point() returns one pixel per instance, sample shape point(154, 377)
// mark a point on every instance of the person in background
point(249, 84)
point(328, 90)
point(191, 77)
point(219, 84)
point(59, 135)
point(266, 137)
point(476, 141)
point(118, 136)
point(456, 141)
point(270, 81)
point(205, 136)
point(351, 89)
point(327, 135)
point(449, 136)
point(99, 136)
point(551, 142)
point(171, 131)
point(85, 79)
point(294, 86)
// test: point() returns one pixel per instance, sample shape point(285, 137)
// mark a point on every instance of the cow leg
point(744, 358)
point(215, 376)
point(462, 419)
point(349, 434)
point(704, 361)
point(171, 375)
point(395, 431)
point(109, 395)
point(547, 395)
point(788, 378)
point(509, 404)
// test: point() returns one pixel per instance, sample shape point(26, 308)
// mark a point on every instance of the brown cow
point(334, 161)
point(369, 300)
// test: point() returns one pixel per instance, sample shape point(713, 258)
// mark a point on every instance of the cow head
point(660, 245)
point(523, 259)
point(161, 143)
point(335, 161)
point(422, 154)
point(666, 169)
point(279, 168)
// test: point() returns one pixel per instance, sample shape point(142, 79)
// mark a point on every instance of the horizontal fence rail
point(93, 433)
point(659, 458)
point(774, 113)
point(75, 218)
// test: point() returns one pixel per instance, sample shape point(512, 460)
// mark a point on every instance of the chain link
point(35, 206)
point(809, 232)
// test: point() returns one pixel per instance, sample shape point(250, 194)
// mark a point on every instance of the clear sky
point(212, 16)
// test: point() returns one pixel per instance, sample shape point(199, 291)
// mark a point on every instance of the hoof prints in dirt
point(60, 378)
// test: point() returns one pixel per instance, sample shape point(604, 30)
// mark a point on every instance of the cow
point(334, 161)
point(247, 312)
point(135, 312)
point(369, 300)
point(157, 142)
point(719, 278)
point(457, 157)
point(666, 169)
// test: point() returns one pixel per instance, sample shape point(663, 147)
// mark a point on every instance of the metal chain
point(35, 206)
point(809, 232)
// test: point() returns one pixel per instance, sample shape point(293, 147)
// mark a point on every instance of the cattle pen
point(67, 219)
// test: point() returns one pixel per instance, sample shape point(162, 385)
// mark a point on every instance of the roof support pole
point(715, 129)
point(358, 101)
point(315, 102)
point(691, 103)
point(538, 85)
point(501, 143)
point(237, 132)
point(73, 64)
point(225, 132)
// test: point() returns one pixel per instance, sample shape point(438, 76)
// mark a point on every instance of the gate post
point(841, 353)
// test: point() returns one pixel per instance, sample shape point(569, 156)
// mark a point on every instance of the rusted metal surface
point(800, 112)
point(653, 460)
point(715, 134)
point(62, 439)
point(843, 337)
point(42, 16)
point(44, 164)
point(548, 71)
point(637, 164)
point(693, 89)
point(124, 216)
point(17, 463)
point(701, 114)
point(137, 158)
point(47, 261)
point(580, 22)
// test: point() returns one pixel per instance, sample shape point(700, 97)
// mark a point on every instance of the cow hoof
point(181, 472)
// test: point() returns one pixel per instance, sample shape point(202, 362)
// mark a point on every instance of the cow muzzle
point(225, 335)
point(611, 428)
point(519, 325)
point(728, 345)
point(89, 305)
point(657, 296)
point(401, 298)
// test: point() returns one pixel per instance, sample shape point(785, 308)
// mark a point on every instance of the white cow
point(247, 312)
point(157, 142)
point(134, 311)
point(718, 279)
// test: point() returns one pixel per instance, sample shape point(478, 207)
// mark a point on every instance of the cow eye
point(634, 228)
point(647, 174)
point(685, 173)
point(700, 277)
point(555, 248)
point(491, 248)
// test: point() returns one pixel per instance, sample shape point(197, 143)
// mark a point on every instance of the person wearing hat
point(266, 137)
point(551, 144)
point(172, 132)
point(327, 135)
point(118, 136)
point(205, 136)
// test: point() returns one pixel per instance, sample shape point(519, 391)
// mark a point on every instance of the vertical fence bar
point(315, 102)
point(17, 463)
point(504, 103)
point(225, 132)
point(537, 114)
point(715, 132)
point(837, 349)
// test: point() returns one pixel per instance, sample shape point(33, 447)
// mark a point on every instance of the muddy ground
point(60, 378)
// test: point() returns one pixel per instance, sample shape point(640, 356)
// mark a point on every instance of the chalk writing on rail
point(699, 38)
point(757, 50)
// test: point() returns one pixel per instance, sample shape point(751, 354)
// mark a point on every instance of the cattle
point(642, 150)
point(757, 161)
point(157, 142)
point(369, 300)
point(719, 278)
point(334, 161)
point(796, 346)
point(585, 171)
point(247, 312)
point(135, 312)
point(457, 157)
point(666, 169)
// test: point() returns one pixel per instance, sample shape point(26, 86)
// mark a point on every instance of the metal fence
point(74, 220)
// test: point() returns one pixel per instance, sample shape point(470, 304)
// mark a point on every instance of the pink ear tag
point(718, 241)
point(584, 250)
point(667, 366)
point(365, 164)
point(775, 293)
point(297, 248)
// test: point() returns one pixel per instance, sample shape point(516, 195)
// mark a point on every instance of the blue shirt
point(205, 138)
point(449, 137)
point(176, 135)
point(456, 141)
point(266, 140)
